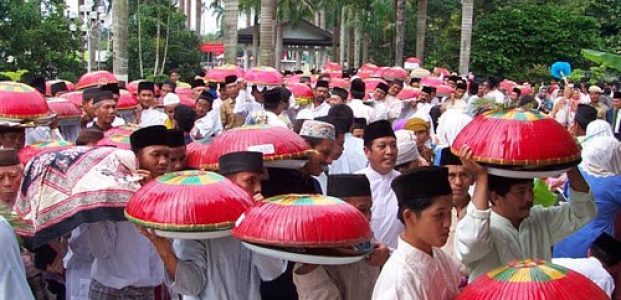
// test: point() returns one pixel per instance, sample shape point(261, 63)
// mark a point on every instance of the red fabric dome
point(218, 74)
point(94, 79)
point(302, 92)
point(74, 97)
point(533, 280)
point(63, 108)
point(367, 71)
point(395, 73)
point(409, 93)
point(264, 76)
point(304, 221)
point(20, 103)
point(188, 201)
point(30, 151)
point(118, 137)
point(127, 101)
point(48, 86)
point(194, 152)
point(339, 82)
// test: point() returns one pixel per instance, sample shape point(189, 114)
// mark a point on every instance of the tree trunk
point(199, 15)
point(156, 65)
point(120, 50)
point(466, 36)
point(188, 14)
point(255, 40)
point(280, 26)
point(421, 29)
point(336, 36)
point(170, 12)
point(350, 46)
point(231, 9)
point(266, 56)
point(139, 40)
point(365, 48)
point(400, 28)
point(342, 38)
point(322, 19)
point(357, 40)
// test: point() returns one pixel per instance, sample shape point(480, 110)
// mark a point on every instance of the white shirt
point(78, 263)
point(485, 240)
point(208, 126)
point(384, 222)
point(116, 123)
point(265, 117)
point(592, 269)
point(352, 159)
point(152, 116)
point(13, 283)
point(362, 110)
point(123, 257)
point(497, 96)
point(221, 269)
point(412, 274)
point(316, 111)
point(41, 134)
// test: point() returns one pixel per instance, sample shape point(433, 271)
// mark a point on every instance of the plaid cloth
point(99, 291)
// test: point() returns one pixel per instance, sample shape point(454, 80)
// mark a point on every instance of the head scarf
point(598, 128)
point(601, 156)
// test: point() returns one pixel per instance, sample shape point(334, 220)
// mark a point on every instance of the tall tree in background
point(466, 36)
point(266, 52)
point(120, 42)
point(421, 29)
point(199, 15)
point(231, 10)
point(400, 28)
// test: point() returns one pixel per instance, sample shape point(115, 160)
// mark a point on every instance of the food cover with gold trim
point(118, 136)
point(30, 151)
point(533, 280)
point(218, 74)
point(64, 108)
point(302, 92)
point(304, 221)
point(281, 147)
point(188, 204)
point(22, 105)
point(95, 79)
point(519, 143)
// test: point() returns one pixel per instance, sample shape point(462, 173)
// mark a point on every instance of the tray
point(304, 258)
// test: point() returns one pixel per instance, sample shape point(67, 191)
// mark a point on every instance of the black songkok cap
point(89, 93)
point(382, 86)
point(8, 157)
point(103, 95)
point(57, 87)
point(448, 158)
point(205, 95)
point(148, 136)
point(357, 85)
point(146, 85)
point(112, 87)
point(230, 79)
point(425, 182)
point(272, 96)
point(616, 95)
point(197, 83)
point(348, 185)
point(244, 161)
point(461, 85)
point(341, 92)
point(429, 89)
point(585, 114)
point(376, 130)
point(322, 84)
point(175, 138)
point(38, 82)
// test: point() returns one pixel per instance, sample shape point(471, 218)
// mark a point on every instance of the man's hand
point(471, 166)
point(146, 176)
point(379, 256)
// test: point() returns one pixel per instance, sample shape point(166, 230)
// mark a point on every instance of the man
point(492, 92)
point(358, 128)
point(126, 265)
point(360, 109)
point(273, 104)
point(12, 137)
point(170, 101)
point(185, 117)
point(176, 142)
point(167, 87)
point(408, 157)
point(422, 106)
point(10, 177)
point(585, 114)
point(380, 148)
point(415, 83)
point(198, 87)
point(146, 98)
point(612, 116)
point(378, 101)
point(418, 269)
point(545, 104)
point(175, 76)
point(512, 229)
point(394, 104)
point(208, 124)
point(319, 107)
point(58, 88)
point(88, 110)
point(456, 101)
point(245, 169)
point(421, 131)
point(229, 118)
point(338, 96)
point(595, 93)
point(105, 109)
point(352, 159)
point(13, 283)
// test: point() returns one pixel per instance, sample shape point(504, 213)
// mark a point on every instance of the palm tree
point(400, 28)
point(266, 52)
point(421, 28)
point(466, 36)
point(120, 58)
point(231, 10)
point(199, 15)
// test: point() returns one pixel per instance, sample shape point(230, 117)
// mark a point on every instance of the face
point(321, 94)
point(177, 159)
point(382, 154)
point(339, 146)
point(394, 89)
point(105, 111)
point(170, 111)
point(514, 96)
point(594, 97)
point(146, 98)
point(10, 178)
point(165, 90)
point(415, 84)
point(248, 181)
point(616, 103)
point(322, 157)
point(459, 93)
point(202, 108)
point(334, 100)
point(379, 94)
point(432, 225)
point(232, 90)
point(516, 204)
point(575, 94)
point(15, 140)
point(174, 77)
point(427, 97)
point(359, 133)
point(155, 159)
point(460, 181)
point(481, 90)
point(197, 91)
point(451, 83)
point(363, 204)
point(421, 137)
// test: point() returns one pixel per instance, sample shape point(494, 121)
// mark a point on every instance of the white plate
point(304, 258)
point(293, 164)
point(193, 235)
point(525, 174)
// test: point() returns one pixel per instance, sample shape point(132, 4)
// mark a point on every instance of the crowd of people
point(439, 219)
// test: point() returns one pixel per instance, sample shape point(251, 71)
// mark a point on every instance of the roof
point(301, 34)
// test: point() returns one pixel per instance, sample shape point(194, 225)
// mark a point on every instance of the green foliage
point(513, 39)
point(603, 59)
point(41, 43)
point(608, 14)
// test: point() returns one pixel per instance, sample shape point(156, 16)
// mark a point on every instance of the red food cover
point(276, 143)
point(395, 73)
point(94, 79)
point(339, 82)
point(533, 280)
point(195, 151)
point(20, 102)
point(264, 76)
point(409, 93)
point(75, 97)
point(30, 151)
point(127, 101)
point(63, 108)
point(48, 86)
point(188, 201)
point(118, 137)
point(302, 92)
point(303, 221)
point(218, 74)
point(367, 70)
point(516, 137)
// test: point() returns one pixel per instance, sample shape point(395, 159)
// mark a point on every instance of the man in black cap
point(360, 109)
point(198, 87)
point(415, 82)
point(176, 142)
point(38, 82)
point(184, 118)
point(89, 112)
point(149, 114)
point(381, 90)
point(378, 102)
point(355, 281)
point(104, 108)
point(319, 107)
point(58, 88)
point(352, 158)
point(612, 115)
point(152, 151)
point(585, 114)
point(244, 169)
point(10, 177)
point(422, 106)
point(208, 123)
point(338, 96)
point(457, 98)
point(112, 87)
point(12, 137)
point(380, 148)
point(231, 119)
point(424, 197)
point(275, 101)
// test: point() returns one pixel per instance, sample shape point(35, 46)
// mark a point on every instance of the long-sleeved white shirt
point(352, 159)
point(362, 110)
point(485, 240)
point(221, 269)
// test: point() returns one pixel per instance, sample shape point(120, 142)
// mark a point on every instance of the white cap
point(406, 145)
point(171, 99)
point(595, 89)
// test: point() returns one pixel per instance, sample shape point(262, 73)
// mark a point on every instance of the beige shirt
point(343, 282)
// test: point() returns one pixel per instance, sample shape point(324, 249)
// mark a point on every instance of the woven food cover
point(194, 152)
point(63, 108)
point(302, 92)
point(75, 97)
point(21, 104)
point(339, 82)
point(49, 83)
point(276, 144)
point(95, 79)
point(303, 221)
point(218, 74)
point(395, 73)
point(30, 151)
point(264, 76)
point(518, 138)
point(409, 93)
point(533, 280)
point(118, 137)
point(188, 201)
